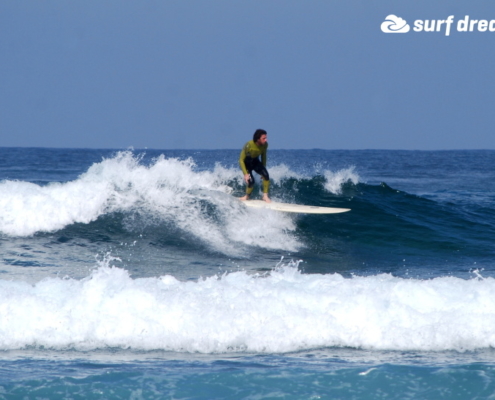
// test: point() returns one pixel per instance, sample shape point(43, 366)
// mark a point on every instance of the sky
point(205, 74)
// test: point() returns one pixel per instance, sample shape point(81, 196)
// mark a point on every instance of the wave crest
point(335, 180)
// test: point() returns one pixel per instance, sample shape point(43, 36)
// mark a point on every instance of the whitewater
point(283, 311)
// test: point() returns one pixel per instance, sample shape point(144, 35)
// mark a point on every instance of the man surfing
point(249, 161)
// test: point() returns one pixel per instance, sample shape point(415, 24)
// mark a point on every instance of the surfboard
point(294, 208)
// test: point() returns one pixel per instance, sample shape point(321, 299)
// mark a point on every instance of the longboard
point(294, 208)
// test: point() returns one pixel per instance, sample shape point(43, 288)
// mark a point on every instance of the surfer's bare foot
point(244, 198)
point(266, 198)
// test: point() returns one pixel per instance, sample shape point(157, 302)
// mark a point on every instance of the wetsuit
point(249, 162)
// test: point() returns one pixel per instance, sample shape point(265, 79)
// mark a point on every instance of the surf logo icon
point(394, 24)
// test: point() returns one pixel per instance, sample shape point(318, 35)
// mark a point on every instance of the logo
point(394, 24)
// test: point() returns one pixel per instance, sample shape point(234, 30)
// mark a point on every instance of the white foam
point(280, 172)
point(168, 190)
point(282, 312)
point(335, 180)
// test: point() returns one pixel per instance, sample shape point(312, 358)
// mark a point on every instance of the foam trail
point(335, 180)
point(281, 312)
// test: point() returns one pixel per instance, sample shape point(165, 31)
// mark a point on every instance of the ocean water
point(137, 274)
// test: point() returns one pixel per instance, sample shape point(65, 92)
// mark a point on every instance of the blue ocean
point(137, 274)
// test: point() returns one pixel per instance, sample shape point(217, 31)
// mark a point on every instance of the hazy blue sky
point(206, 74)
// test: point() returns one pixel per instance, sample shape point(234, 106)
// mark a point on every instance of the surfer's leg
point(260, 169)
point(266, 187)
point(250, 185)
point(249, 190)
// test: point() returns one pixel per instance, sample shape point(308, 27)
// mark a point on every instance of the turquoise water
point(139, 275)
point(317, 375)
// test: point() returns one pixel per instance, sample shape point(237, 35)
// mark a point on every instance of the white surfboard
point(294, 208)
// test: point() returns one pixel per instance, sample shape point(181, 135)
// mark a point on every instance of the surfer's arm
point(242, 157)
point(263, 156)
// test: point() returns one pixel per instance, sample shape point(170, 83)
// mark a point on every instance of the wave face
point(279, 312)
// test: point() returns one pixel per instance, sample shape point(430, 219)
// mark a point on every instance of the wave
point(168, 192)
point(198, 208)
point(278, 312)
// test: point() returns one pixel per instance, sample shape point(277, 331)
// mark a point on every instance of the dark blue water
point(138, 274)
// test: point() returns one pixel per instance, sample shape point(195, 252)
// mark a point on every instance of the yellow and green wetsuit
point(249, 161)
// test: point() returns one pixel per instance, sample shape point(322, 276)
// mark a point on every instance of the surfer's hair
point(258, 134)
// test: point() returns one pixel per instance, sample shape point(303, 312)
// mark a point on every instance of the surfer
point(249, 162)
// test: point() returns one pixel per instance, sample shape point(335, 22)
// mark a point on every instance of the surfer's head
point(258, 135)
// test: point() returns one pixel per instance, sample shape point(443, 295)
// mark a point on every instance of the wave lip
point(335, 180)
point(281, 312)
point(28, 208)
